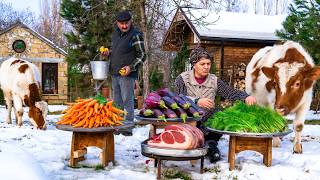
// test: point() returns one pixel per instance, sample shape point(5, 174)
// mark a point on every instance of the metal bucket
point(100, 69)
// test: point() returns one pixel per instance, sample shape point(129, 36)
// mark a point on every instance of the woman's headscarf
point(197, 53)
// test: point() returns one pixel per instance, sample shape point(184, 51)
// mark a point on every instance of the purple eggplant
point(153, 100)
point(182, 114)
point(193, 112)
point(166, 92)
point(159, 114)
point(194, 105)
point(170, 102)
point(182, 103)
point(146, 112)
point(169, 113)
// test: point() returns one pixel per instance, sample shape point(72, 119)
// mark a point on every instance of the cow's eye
point(297, 84)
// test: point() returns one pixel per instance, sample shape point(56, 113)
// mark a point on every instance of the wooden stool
point(260, 142)
point(261, 145)
point(101, 137)
point(81, 140)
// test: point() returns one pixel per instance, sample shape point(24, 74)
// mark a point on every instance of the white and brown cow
point(20, 81)
point(282, 77)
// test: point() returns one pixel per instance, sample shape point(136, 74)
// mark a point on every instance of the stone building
point(21, 41)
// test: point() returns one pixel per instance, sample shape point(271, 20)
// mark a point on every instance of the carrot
point(81, 123)
point(91, 123)
point(92, 102)
point(96, 107)
point(108, 104)
point(116, 110)
point(89, 113)
point(107, 121)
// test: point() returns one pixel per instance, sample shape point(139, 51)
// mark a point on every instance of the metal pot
point(100, 69)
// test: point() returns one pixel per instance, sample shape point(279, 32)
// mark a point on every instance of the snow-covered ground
point(26, 153)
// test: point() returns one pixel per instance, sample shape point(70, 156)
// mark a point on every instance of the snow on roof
point(234, 25)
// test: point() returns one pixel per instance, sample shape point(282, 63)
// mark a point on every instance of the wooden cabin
point(23, 42)
point(231, 38)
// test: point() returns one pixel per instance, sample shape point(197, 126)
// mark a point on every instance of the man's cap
point(123, 16)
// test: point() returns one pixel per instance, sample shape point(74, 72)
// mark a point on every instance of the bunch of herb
point(247, 118)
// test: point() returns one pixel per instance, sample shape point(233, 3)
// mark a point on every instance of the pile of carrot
point(89, 113)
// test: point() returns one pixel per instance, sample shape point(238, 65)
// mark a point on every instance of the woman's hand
point(206, 103)
point(250, 100)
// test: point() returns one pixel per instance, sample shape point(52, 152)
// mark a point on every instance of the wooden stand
point(81, 140)
point(158, 160)
point(261, 145)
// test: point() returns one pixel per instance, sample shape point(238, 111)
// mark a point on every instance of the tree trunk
point(145, 31)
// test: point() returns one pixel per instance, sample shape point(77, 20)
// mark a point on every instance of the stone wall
point(37, 51)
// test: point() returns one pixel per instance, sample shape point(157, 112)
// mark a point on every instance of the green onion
point(244, 118)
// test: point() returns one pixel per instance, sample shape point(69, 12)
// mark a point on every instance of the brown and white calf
point(20, 81)
point(282, 78)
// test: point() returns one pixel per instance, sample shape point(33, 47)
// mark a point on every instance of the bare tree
point(50, 23)
point(8, 16)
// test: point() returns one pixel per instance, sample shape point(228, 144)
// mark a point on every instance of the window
point(19, 46)
point(50, 78)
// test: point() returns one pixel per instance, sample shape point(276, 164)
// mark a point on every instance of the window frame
point(43, 68)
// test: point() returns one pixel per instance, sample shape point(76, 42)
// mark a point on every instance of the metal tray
point(140, 118)
point(243, 134)
point(125, 125)
point(157, 151)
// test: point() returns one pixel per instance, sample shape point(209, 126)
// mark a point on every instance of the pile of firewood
point(239, 84)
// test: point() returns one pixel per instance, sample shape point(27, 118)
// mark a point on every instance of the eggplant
point(170, 102)
point(153, 100)
point(194, 105)
point(159, 114)
point(146, 112)
point(193, 112)
point(182, 103)
point(169, 113)
point(182, 114)
point(166, 92)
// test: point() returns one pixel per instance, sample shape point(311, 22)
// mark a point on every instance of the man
point(127, 54)
point(202, 87)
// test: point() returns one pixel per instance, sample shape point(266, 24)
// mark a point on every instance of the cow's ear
point(268, 71)
point(314, 74)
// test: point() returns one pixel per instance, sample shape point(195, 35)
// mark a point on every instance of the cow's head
point(290, 82)
point(38, 114)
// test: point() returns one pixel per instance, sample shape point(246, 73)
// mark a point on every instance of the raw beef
point(182, 136)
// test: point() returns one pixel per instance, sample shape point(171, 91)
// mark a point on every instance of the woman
point(202, 87)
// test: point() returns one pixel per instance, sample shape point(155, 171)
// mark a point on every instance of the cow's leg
point(17, 102)
point(9, 108)
point(298, 124)
point(15, 113)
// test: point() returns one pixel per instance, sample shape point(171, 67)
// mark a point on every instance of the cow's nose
point(283, 110)
point(44, 127)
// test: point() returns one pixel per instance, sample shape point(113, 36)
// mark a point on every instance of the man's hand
point(250, 100)
point(127, 70)
point(206, 103)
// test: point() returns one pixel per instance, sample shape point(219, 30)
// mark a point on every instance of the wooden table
point(259, 142)
point(101, 137)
